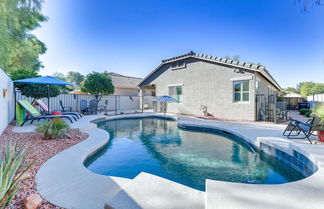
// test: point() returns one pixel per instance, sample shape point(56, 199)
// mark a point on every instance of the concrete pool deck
point(64, 181)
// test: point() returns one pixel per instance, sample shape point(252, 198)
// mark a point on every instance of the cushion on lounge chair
point(20, 113)
point(28, 107)
point(304, 127)
point(42, 104)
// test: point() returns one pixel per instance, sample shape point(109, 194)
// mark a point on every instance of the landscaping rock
point(33, 201)
point(39, 151)
point(25, 176)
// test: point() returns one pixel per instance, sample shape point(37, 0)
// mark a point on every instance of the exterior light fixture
point(4, 92)
point(236, 70)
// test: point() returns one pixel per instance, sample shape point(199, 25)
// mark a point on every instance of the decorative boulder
point(33, 201)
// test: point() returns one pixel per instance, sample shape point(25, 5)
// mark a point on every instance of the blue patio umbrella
point(46, 80)
point(165, 99)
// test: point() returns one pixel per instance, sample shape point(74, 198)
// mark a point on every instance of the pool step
point(147, 191)
point(122, 182)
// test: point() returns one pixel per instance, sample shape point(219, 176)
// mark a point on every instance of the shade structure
point(293, 95)
point(165, 99)
point(45, 80)
point(78, 92)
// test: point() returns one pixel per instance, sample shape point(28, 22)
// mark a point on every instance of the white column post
point(141, 94)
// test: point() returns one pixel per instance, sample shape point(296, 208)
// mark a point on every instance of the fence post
point(275, 108)
point(15, 101)
point(115, 104)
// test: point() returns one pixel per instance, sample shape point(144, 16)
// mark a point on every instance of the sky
point(132, 37)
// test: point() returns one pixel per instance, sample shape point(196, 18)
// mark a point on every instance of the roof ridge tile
point(223, 60)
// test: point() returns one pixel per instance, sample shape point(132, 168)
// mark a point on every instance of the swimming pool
point(159, 147)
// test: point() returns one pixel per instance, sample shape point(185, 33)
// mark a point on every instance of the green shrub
point(53, 129)
point(11, 170)
point(319, 112)
point(308, 113)
point(303, 111)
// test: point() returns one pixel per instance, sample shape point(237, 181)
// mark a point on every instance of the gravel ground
point(39, 151)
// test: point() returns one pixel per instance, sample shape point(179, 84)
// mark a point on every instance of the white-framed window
point(176, 92)
point(178, 65)
point(241, 91)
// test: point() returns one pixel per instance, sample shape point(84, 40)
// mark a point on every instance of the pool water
point(159, 147)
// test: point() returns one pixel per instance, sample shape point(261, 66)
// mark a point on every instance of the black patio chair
point(303, 130)
point(84, 106)
point(93, 106)
point(103, 108)
point(68, 111)
point(106, 107)
point(65, 109)
point(45, 111)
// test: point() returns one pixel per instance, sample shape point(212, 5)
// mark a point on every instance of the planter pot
point(320, 135)
point(57, 113)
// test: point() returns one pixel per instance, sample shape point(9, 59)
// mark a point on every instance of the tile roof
point(243, 65)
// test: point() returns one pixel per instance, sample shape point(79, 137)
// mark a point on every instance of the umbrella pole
point(165, 109)
point(48, 103)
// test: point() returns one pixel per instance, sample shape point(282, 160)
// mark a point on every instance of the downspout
point(254, 96)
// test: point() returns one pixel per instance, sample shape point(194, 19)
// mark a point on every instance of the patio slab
point(150, 191)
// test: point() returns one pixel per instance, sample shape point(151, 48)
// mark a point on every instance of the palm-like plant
point(306, 4)
point(11, 170)
point(53, 129)
point(59, 128)
point(319, 112)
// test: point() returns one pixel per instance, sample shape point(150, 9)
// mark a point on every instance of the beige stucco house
point(219, 87)
point(124, 86)
point(127, 85)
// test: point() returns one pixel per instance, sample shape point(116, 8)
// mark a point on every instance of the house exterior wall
point(207, 84)
point(264, 85)
point(7, 103)
point(265, 106)
point(132, 92)
point(126, 92)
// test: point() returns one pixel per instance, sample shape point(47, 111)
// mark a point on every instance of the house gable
point(235, 65)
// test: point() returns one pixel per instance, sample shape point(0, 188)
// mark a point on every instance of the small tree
point(307, 4)
point(63, 89)
point(291, 90)
point(35, 91)
point(306, 88)
point(75, 77)
point(98, 84)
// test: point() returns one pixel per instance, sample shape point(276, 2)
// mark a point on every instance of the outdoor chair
point(65, 109)
point(93, 106)
point(282, 114)
point(75, 115)
point(84, 106)
point(23, 107)
point(105, 107)
point(303, 130)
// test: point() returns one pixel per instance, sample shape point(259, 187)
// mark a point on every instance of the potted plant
point(319, 113)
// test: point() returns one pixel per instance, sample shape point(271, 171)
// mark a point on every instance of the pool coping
point(77, 187)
